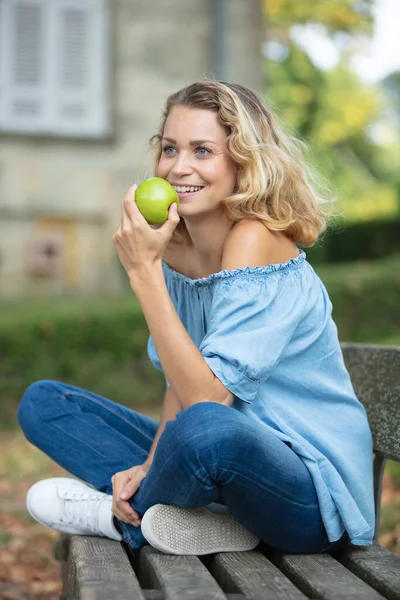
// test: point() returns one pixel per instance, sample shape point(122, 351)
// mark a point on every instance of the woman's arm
point(140, 249)
point(183, 364)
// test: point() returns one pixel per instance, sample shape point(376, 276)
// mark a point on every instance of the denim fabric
point(210, 453)
point(268, 335)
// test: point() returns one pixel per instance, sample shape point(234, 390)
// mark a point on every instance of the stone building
point(82, 85)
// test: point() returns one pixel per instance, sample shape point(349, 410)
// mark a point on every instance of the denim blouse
point(267, 333)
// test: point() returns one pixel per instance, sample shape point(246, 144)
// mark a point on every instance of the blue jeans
point(210, 453)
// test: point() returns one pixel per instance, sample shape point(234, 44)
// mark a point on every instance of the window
point(54, 58)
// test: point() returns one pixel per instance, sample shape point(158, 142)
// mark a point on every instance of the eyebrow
point(192, 143)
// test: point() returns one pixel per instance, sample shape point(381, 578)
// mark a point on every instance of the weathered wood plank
point(103, 570)
point(377, 566)
point(179, 577)
point(251, 574)
point(321, 576)
point(68, 569)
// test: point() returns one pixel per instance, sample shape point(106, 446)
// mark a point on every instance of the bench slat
point(180, 577)
point(321, 576)
point(377, 566)
point(103, 570)
point(253, 575)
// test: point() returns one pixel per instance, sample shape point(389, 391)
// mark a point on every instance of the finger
point(125, 214)
point(124, 512)
point(173, 219)
point(119, 481)
point(123, 507)
point(127, 517)
point(131, 486)
point(173, 214)
point(128, 514)
point(116, 235)
point(131, 209)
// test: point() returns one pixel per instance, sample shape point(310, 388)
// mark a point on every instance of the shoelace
point(81, 510)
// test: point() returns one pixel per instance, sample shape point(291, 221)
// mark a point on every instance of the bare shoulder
point(251, 244)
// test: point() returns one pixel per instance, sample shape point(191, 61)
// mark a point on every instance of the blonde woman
point(261, 435)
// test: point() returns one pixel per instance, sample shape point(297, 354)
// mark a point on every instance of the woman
point(259, 418)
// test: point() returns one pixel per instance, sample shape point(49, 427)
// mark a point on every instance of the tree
point(345, 16)
point(332, 110)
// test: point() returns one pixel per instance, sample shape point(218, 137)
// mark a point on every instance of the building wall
point(69, 191)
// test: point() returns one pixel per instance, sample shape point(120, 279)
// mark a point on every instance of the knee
point(201, 417)
point(204, 427)
point(29, 408)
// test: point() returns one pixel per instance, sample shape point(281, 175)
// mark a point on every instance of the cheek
point(215, 172)
point(229, 177)
point(163, 167)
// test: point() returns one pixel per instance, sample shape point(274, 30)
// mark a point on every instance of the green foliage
point(391, 84)
point(365, 298)
point(393, 469)
point(95, 344)
point(346, 16)
point(333, 111)
point(100, 344)
point(363, 241)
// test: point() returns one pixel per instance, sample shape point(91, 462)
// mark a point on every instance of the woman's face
point(195, 160)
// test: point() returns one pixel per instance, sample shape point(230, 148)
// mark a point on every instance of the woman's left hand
point(139, 245)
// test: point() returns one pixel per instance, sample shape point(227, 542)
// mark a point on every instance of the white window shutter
point(80, 68)
point(54, 67)
point(24, 66)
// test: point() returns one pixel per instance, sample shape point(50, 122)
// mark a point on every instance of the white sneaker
point(71, 506)
point(198, 531)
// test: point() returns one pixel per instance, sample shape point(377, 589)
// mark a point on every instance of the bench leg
point(68, 570)
point(379, 467)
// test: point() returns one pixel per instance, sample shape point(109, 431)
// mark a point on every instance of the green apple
point(153, 197)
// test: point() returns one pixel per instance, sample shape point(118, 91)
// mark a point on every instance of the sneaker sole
point(198, 531)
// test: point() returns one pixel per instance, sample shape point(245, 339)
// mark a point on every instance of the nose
point(182, 165)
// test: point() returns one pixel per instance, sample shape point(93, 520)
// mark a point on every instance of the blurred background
point(82, 87)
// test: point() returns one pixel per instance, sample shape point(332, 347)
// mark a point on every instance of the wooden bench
point(100, 569)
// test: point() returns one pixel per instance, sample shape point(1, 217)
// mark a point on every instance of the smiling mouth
point(187, 189)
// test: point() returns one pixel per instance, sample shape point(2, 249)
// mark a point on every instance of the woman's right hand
point(125, 485)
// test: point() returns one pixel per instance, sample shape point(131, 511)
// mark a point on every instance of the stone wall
point(70, 190)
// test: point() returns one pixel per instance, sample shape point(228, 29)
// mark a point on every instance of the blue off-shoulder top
point(267, 333)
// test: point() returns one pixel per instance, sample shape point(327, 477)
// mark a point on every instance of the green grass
point(371, 271)
point(393, 468)
point(390, 517)
point(22, 311)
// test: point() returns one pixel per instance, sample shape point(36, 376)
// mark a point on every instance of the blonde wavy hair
point(273, 183)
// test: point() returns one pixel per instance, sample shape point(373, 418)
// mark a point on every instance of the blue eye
point(203, 151)
point(168, 149)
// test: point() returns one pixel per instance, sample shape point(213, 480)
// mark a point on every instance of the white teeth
point(185, 188)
